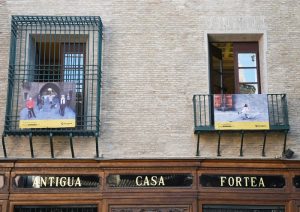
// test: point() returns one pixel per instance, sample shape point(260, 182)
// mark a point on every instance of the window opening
point(234, 68)
point(47, 53)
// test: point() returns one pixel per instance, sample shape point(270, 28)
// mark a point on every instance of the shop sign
point(155, 180)
point(55, 181)
point(297, 181)
point(242, 181)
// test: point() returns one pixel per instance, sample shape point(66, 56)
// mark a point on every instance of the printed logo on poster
point(47, 105)
point(241, 112)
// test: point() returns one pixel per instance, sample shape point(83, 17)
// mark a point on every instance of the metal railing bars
point(50, 52)
point(203, 112)
point(203, 105)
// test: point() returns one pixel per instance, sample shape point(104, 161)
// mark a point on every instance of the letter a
point(261, 183)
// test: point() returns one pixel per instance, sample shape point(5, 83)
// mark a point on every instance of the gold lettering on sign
point(77, 182)
point(246, 181)
point(161, 181)
point(40, 182)
point(138, 180)
point(63, 181)
point(231, 181)
point(223, 180)
point(36, 182)
point(149, 181)
point(253, 182)
point(43, 182)
point(51, 181)
point(261, 183)
point(235, 181)
point(238, 182)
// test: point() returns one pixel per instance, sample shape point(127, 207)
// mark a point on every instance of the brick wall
point(155, 58)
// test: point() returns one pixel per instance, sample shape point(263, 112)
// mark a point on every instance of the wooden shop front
point(187, 185)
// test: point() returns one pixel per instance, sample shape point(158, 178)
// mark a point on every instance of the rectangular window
point(246, 68)
point(236, 100)
point(234, 68)
point(62, 60)
point(55, 62)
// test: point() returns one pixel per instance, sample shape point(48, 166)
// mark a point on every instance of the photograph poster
point(241, 112)
point(47, 105)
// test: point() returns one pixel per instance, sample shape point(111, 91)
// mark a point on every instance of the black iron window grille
point(54, 76)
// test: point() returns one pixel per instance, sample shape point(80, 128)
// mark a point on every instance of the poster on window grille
point(241, 112)
point(47, 105)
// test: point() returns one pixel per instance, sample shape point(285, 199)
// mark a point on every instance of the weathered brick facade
point(155, 58)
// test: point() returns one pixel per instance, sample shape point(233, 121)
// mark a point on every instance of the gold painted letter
point(138, 180)
point(223, 180)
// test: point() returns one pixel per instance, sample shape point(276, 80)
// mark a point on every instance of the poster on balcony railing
point(47, 105)
point(241, 112)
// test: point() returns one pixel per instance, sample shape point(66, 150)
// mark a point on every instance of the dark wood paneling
point(151, 198)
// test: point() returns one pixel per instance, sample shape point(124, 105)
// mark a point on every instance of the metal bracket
point(198, 144)
point(31, 145)
point(71, 145)
point(51, 145)
point(284, 142)
point(242, 143)
point(97, 145)
point(264, 144)
point(3, 146)
point(242, 136)
point(50, 135)
point(219, 143)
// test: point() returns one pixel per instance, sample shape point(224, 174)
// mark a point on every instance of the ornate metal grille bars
point(54, 50)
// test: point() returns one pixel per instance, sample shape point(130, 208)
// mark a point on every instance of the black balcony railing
point(204, 108)
point(204, 112)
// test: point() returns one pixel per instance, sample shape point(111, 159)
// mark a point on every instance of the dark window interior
point(234, 68)
point(50, 54)
point(62, 62)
